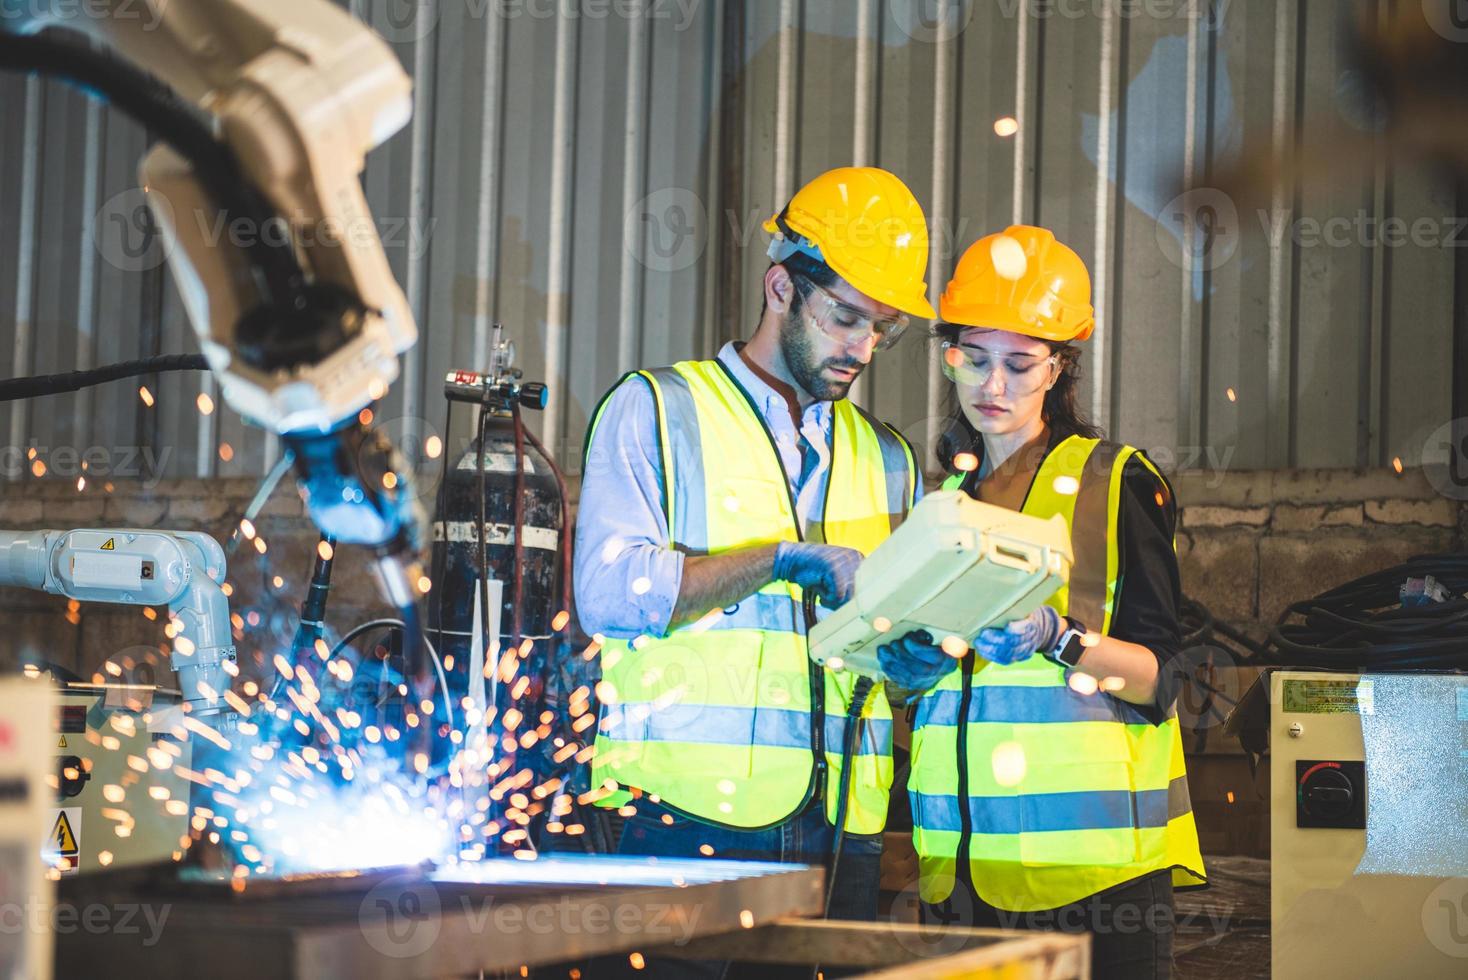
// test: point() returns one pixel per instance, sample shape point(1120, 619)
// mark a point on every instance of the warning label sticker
point(65, 839)
point(110, 545)
point(1328, 697)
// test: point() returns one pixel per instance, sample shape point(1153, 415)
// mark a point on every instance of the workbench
point(500, 916)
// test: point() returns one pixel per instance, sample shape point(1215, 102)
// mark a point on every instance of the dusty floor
point(1223, 930)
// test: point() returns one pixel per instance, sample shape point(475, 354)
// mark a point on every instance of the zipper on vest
point(965, 821)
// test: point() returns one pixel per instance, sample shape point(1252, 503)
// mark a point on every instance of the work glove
point(826, 569)
point(914, 663)
point(1022, 638)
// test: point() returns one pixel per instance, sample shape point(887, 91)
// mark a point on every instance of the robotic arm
point(180, 570)
point(265, 111)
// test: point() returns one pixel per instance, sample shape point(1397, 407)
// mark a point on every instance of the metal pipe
point(939, 218)
point(633, 181)
point(557, 284)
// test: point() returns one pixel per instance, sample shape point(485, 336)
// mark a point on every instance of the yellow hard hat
point(1022, 280)
point(865, 224)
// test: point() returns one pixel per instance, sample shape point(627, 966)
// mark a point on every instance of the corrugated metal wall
point(593, 175)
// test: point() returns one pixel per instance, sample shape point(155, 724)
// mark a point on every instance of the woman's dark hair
point(1061, 411)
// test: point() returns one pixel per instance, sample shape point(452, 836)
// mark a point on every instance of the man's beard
point(800, 358)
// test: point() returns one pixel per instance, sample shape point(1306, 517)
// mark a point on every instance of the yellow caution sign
point(62, 838)
point(61, 743)
point(111, 545)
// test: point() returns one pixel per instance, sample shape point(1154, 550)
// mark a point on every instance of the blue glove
point(1022, 638)
point(914, 663)
point(826, 569)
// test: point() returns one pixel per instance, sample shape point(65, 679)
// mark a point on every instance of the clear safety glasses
point(1024, 374)
point(847, 325)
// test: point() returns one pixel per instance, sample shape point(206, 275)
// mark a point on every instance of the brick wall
point(1249, 544)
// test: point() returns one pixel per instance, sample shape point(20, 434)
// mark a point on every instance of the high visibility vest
point(1051, 795)
point(717, 719)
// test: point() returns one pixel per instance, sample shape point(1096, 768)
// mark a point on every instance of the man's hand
point(1022, 638)
point(914, 663)
point(826, 569)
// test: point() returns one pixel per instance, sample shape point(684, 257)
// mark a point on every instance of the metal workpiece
point(494, 916)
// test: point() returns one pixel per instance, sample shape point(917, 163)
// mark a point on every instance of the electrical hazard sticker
point(110, 545)
point(64, 842)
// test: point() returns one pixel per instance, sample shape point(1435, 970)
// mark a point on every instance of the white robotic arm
point(265, 111)
point(298, 92)
point(180, 570)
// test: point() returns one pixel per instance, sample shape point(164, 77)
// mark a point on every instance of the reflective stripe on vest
point(1068, 794)
point(716, 717)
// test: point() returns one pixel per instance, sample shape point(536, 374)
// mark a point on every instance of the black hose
point(1362, 624)
point(180, 125)
point(855, 725)
point(56, 384)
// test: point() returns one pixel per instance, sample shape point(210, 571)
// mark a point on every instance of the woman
point(1047, 785)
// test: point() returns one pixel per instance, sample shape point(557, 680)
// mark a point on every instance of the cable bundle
point(1364, 624)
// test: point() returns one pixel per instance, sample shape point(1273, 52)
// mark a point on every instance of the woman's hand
point(1022, 638)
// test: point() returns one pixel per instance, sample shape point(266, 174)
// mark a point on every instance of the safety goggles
point(847, 325)
point(1024, 374)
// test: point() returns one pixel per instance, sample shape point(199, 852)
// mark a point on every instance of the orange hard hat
point(1023, 280)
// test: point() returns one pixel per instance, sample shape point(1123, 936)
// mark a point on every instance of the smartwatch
point(1068, 649)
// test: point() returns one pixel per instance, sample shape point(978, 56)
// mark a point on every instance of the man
point(718, 496)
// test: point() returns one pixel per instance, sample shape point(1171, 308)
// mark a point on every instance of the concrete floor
point(1223, 930)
